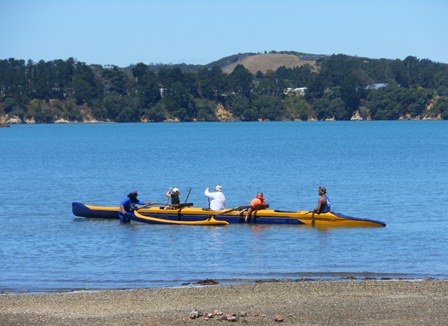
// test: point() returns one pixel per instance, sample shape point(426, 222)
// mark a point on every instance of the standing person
point(256, 204)
point(173, 194)
point(129, 204)
point(323, 204)
point(217, 198)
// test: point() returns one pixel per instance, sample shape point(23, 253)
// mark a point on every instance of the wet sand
point(391, 302)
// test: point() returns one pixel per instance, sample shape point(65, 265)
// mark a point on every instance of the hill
point(248, 87)
point(265, 62)
point(269, 62)
point(254, 62)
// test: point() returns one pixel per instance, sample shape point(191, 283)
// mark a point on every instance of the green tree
point(321, 107)
point(242, 108)
point(240, 81)
point(84, 85)
point(441, 107)
point(206, 110)
point(297, 108)
point(351, 92)
point(118, 108)
point(211, 83)
point(116, 81)
point(270, 107)
point(178, 102)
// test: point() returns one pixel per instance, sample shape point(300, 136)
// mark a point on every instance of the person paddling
point(217, 199)
point(256, 204)
point(129, 204)
point(323, 204)
point(173, 194)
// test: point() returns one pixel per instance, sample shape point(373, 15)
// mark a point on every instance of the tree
point(315, 89)
point(211, 83)
point(297, 108)
point(118, 108)
point(350, 91)
point(147, 90)
point(205, 110)
point(240, 81)
point(116, 81)
point(139, 70)
point(270, 107)
point(84, 85)
point(441, 107)
point(178, 102)
point(321, 107)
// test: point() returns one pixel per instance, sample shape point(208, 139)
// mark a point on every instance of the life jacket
point(258, 201)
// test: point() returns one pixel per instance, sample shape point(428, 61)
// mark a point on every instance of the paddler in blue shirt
point(128, 205)
point(323, 204)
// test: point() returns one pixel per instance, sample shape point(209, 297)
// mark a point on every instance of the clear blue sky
point(201, 31)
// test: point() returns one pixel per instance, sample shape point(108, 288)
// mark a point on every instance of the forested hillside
point(336, 87)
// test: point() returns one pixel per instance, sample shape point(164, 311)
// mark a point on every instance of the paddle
point(189, 192)
point(239, 208)
point(148, 205)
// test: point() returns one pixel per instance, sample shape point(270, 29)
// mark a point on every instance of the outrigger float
point(186, 214)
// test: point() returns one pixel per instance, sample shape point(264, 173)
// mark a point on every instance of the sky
point(127, 32)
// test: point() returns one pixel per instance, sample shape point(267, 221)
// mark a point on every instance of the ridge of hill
point(265, 62)
point(254, 62)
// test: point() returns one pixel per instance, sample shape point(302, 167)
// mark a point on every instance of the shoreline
point(97, 122)
point(367, 302)
point(343, 278)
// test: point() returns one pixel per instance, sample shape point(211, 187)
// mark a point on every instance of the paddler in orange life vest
point(256, 204)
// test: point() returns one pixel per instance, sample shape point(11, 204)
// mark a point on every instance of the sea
point(392, 171)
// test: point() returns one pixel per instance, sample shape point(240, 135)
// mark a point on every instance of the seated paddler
point(323, 203)
point(216, 199)
point(128, 205)
point(256, 204)
point(173, 194)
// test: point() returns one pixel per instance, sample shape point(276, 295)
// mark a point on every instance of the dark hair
point(133, 194)
point(323, 189)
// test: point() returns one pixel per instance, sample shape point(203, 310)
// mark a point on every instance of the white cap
point(218, 188)
point(175, 190)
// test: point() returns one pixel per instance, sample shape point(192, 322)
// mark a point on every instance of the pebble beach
point(369, 302)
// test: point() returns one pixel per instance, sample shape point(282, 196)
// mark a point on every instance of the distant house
point(295, 91)
point(376, 86)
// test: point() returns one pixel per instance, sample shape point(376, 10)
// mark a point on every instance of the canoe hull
point(210, 221)
point(201, 215)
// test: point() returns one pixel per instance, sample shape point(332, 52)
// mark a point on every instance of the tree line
point(338, 87)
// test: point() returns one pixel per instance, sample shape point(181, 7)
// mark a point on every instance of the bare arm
point(168, 194)
point(320, 204)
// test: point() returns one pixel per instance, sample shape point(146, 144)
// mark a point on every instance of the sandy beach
point(388, 302)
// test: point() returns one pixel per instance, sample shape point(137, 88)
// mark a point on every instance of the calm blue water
point(396, 172)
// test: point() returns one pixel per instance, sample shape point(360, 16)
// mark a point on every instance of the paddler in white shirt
point(217, 198)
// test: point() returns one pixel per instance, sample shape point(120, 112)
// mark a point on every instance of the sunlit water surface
point(395, 172)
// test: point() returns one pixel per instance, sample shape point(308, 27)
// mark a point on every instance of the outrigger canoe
point(186, 214)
